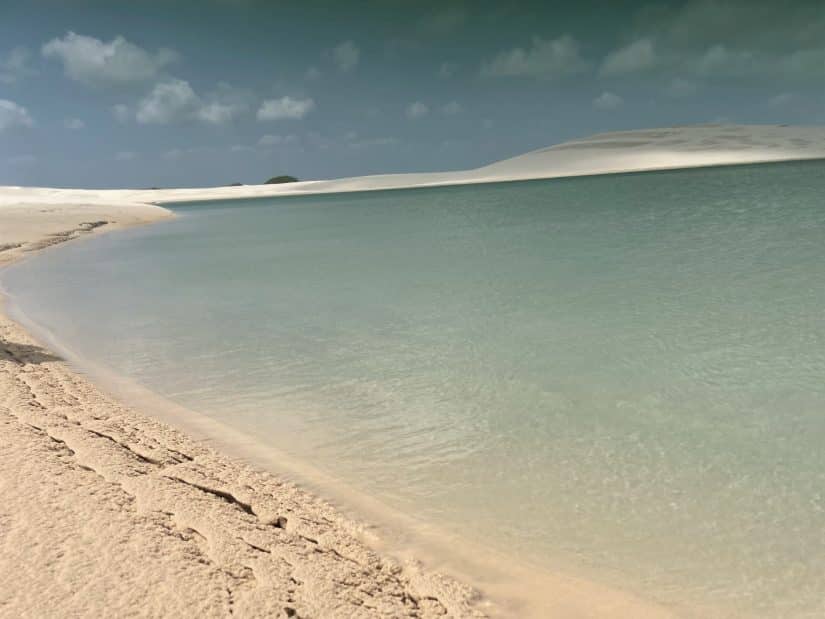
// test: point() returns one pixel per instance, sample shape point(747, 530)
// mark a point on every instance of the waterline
point(618, 373)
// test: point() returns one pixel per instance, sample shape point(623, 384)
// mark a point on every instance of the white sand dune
point(604, 153)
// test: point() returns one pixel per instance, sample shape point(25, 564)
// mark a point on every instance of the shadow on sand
point(23, 354)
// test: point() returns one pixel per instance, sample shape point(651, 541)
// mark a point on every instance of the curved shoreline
point(126, 434)
point(206, 518)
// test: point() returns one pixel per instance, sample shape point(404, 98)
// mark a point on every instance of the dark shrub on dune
point(281, 179)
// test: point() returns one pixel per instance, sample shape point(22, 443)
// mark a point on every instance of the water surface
point(619, 375)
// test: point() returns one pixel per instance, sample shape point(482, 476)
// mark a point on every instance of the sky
point(171, 93)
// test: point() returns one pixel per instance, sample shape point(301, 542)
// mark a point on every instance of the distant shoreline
point(648, 150)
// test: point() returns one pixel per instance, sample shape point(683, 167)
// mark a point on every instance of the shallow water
point(619, 375)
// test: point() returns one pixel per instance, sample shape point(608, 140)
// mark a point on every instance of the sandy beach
point(108, 510)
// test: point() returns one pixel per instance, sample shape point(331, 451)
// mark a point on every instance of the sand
point(108, 511)
point(605, 153)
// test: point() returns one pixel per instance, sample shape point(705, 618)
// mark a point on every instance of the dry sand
point(604, 153)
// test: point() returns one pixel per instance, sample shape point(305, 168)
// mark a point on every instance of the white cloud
point(543, 59)
point(312, 74)
point(719, 60)
point(452, 108)
point(175, 100)
point(633, 58)
point(417, 110)
point(447, 70)
point(240, 148)
point(277, 140)
point(73, 123)
point(13, 115)
point(679, 88)
point(487, 123)
point(217, 113)
point(346, 56)
point(125, 155)
point(285, 108)
point(607, 101)
point(92, 61)
point(169, 101)
point(15, 65)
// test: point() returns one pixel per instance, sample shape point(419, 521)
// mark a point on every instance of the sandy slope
point(626, 151)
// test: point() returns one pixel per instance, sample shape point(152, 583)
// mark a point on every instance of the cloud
point(15, 65)
point(13, 115)
point(169, 101)
point(755, 24)
point(285, 108)
point(277, 140)
point(452, 108)
point(73, 123)
point(92, 61)
point(417, 110)
point(742, 40)
point(543, 59)
point(174, 100)
point(680, 88)
point(217, 113)
point(607, 101)
point(633, 58)
point(346, 56)
point(125, 155)
point(447, 70)
point(312, 74)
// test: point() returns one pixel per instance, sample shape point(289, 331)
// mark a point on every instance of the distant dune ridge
point(604, 153)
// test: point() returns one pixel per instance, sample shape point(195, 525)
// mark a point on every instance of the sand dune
point(605, 153)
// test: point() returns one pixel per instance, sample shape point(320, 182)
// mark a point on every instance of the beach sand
point(107, 511)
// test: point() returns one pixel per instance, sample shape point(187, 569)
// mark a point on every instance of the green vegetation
point(281, 179)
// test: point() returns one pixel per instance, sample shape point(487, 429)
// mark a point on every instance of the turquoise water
point(623, 375)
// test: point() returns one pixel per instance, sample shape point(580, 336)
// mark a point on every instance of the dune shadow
point(23, 354)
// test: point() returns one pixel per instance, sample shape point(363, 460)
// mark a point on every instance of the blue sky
point(175, 93)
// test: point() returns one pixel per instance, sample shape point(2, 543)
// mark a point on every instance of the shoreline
point(621, 152)
point(278, 549)
point(109, 436)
